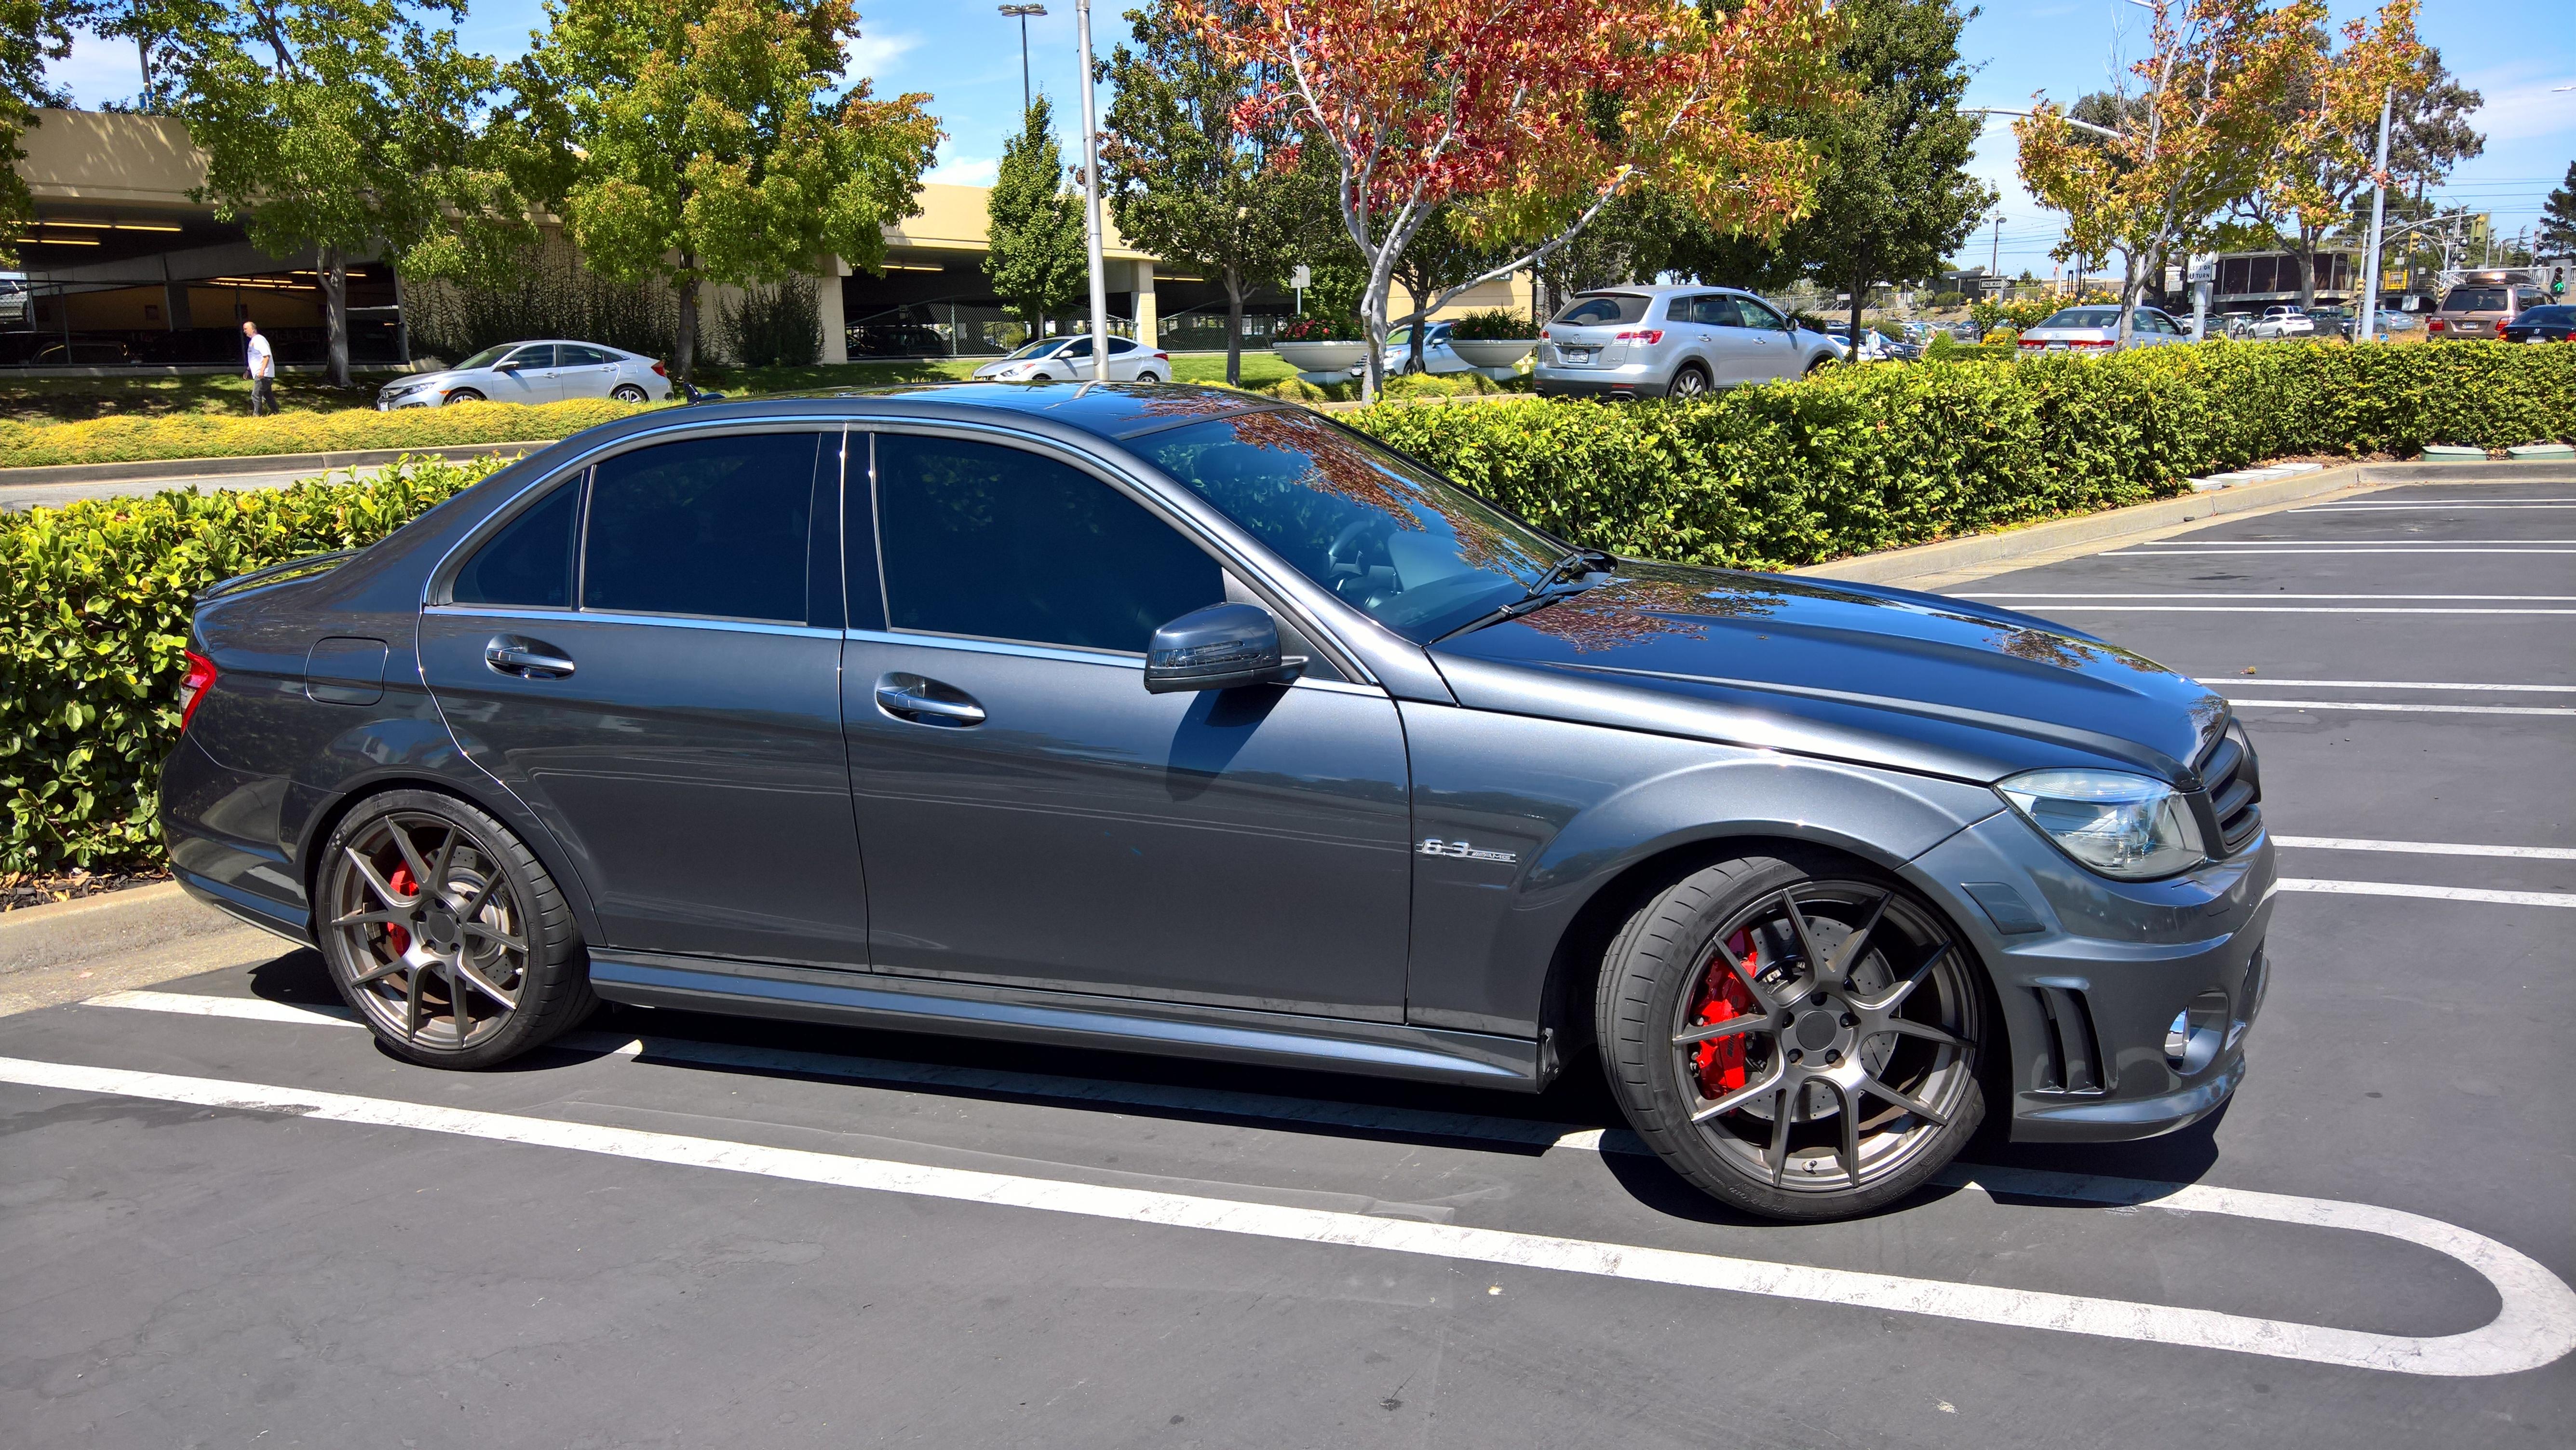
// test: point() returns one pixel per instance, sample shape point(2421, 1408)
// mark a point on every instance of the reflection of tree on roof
point(1642, 605)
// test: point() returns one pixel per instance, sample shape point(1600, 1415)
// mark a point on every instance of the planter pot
point(1485, 352)
point(1321, 357)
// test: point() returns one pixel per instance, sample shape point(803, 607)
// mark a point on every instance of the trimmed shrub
point(214, 435)
point(94, 605)
point(1493, 324)
point(552, 296)
point(774, 326)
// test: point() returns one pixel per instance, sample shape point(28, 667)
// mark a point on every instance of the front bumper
point(2091, 973)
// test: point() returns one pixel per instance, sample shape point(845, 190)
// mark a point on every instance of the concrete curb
point(62, 473)
point(117, 923)
point(1990, 552)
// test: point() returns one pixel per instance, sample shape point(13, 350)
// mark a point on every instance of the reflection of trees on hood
point(1629, 611)
point(2047, 647)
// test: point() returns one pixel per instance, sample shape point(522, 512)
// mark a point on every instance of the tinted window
point(2084, 317)
point(1118, 345)
point(1419, 555)
point(1757, 315)
point(2474, 299)
point(713, 526)
point(984, 540)
point(540, 356)
point(529, 562)
point(1604, 309)
point(569, 356)
point(1717, 311)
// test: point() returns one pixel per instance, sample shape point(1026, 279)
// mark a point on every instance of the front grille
point(2235, 784)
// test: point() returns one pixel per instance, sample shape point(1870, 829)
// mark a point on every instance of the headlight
point(2121, 825)
point(403, 390)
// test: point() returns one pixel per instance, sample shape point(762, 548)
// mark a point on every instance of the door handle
point(529, 659)
point(908, 697)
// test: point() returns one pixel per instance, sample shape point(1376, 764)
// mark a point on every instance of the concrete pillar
point(1148, 318)
point(174, 305)
point(827, 311)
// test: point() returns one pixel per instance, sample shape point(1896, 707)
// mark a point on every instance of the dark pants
point(262, 397)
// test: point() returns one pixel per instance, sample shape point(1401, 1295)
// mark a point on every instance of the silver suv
point(1653, 342)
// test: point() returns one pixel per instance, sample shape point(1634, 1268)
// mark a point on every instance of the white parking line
point(2428, 893)
point(2389, 685)
point(2535, 1323)
point(2410, 709)
point(2391, 508)
point(2141, 553)
point(2071, 607)
point(2427, 848)
point(2174, 594)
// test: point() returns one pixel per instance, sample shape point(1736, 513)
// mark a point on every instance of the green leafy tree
point(2558, 218)
point(1183, 182)
point(693, 142)
point(1039, 260)
point(32, 32)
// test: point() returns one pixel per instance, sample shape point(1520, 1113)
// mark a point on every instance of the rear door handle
point(908, 697)
point(528, 659)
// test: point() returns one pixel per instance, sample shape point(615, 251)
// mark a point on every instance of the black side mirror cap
point(1218, 648)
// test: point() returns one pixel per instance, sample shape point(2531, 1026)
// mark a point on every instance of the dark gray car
point(1170, 720)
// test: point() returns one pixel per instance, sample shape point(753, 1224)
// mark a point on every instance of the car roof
point(1663, 289)
point(1106, 411)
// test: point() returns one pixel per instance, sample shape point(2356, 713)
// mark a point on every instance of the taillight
point(2032, 342)
point(660, 371)
point(1643, 334)
point(2436, 325)
point(1542, 334)
point(2092, 342)
point(193, 687)
point(1162, 357)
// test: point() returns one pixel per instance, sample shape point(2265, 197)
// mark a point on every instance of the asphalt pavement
point(226, 1218)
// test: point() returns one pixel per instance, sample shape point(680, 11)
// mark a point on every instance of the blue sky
point(967, 57)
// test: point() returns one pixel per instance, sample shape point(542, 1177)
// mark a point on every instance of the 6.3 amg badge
point(1434, 846)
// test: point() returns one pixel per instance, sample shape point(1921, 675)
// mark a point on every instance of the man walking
point(263, 371)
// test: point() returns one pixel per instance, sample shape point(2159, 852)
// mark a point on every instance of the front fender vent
point(2071, 1060)
point(2234, 780)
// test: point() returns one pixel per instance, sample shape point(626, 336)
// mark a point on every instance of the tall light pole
point(2378, 222)
point(1022, 14)
point(1091, 201)
point(1995, 258)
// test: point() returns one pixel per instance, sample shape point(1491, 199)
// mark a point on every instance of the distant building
point(2252, 281)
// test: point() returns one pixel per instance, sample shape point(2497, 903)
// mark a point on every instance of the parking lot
point(227, 1218)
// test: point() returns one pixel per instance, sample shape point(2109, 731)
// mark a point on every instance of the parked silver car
point(552, 371)
point(1652, 342)
point(1068, 360)
point(2087, 329)
point(2278, 323)
point(1438, 357)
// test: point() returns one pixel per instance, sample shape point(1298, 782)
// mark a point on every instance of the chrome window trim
point(602, 616)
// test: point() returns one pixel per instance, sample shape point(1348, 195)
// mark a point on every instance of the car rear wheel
point(628, 393)
point(1147, 377)
point(1690, 382)
point(463, 395)
point(445, 934)
point(1799, 1039)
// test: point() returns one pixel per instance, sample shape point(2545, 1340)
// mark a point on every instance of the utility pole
point(1995, 257)
point(2378, 223)
point(1091, 201)
point(1022, 14)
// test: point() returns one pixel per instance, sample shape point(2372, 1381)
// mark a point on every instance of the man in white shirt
point(263, 371)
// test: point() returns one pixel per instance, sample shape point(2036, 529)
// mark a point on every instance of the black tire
point(628, 393)
point(1690, 382)
point(1924, 1099)
point(1147, 377)
point(497, 937)
point(1820, 364)
point(462, 395)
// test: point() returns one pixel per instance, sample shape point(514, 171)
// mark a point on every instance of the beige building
point(123, 268)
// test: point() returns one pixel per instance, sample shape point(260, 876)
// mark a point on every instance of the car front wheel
point(463, 395)
point(445, 934)
point(1800, 1039)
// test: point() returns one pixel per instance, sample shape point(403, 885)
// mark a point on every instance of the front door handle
point(528, 659)
point(909, 697)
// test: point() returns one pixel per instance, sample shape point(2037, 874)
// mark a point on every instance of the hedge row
point(1852, 460)
point(94, 598)
point(94, 604)
point(215, 435)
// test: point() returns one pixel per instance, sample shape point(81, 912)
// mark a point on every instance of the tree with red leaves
point(1528, 117)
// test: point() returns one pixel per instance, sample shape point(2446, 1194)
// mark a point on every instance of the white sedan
point(1068, 360)
point(534, 372)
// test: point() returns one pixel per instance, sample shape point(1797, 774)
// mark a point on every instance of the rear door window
point(529, 563)
point(581, 357)
point(1604, 309)
point(707, 526)
point(995, 542)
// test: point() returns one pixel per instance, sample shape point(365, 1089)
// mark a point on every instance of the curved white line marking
point(2536, 1324)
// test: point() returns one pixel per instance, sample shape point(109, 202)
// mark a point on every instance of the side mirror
point(506, 365)
point(1218, 648)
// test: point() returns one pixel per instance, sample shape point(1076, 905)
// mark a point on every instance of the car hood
point(445, 377)
point(1854, 672)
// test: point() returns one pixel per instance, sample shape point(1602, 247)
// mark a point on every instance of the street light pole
point(1995, 258)
point(2378, 222)
point(1091, 201)
point(1022, 14)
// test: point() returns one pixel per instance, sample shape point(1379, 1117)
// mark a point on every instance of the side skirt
point(1066, 1019)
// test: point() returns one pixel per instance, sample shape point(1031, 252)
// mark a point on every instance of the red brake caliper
point(1724, 998)
point(396, 937)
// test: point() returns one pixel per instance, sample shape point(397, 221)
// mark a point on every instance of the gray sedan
point(553, 371)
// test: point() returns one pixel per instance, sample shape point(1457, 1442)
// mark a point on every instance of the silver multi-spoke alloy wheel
point(1801, 1043)
point(445, 934)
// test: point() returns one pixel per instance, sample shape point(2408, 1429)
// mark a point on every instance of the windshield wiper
point(1540, 595)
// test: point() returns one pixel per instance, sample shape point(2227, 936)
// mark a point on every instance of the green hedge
point(94, 604)
point(1852, 460)
point(94, 598)
point(214, 435)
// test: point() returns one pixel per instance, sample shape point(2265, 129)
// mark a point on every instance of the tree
point(1183, 182)
point(1894, 197)
point(32, 32)
point(706, 141)
point(1040, 259)
point(2558, 218)
point(1492, 105)
point(1444, 259)
point(1635, 237)
point(2211, 125)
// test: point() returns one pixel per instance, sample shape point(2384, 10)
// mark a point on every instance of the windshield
point(1413, 551)
point(486, 357)
point(2474, 299)
point(2085, 317)
point(1604, 309)
point(1043, 347)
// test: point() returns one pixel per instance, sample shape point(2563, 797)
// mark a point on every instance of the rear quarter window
point(1605, 309)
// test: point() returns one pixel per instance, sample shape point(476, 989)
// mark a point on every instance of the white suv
point(1653, 342)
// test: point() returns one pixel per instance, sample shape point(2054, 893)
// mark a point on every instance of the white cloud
point(954, 170)
point(870, 54)
point(2522, 110)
